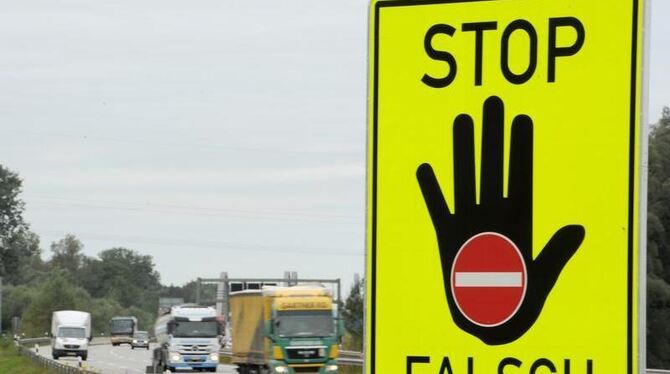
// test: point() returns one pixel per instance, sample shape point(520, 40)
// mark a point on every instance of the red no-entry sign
point(488, 279)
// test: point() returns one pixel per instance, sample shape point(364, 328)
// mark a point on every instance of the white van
point(70, 334)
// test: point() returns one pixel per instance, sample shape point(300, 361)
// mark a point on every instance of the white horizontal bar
point(488, 279)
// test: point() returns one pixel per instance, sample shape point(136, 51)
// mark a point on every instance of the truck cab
point(188, 337)
point(302, 331)
point(299, 331)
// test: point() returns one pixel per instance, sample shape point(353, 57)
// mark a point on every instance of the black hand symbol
point(510, 217)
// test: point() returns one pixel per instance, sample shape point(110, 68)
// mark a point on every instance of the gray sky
point(659, 59)
point(211, 134)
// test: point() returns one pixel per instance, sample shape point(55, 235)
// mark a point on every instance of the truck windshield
point(206, 329)
point(122, 326)
point(72, 332)
point(305, 323)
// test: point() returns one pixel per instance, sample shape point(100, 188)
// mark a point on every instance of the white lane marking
point(489, 279)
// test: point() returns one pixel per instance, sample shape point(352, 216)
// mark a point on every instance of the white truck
point(70, 333)
point(187, 337)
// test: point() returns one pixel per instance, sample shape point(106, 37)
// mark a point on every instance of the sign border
point(636, 133)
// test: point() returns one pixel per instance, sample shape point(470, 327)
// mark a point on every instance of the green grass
point(352, 343)
point(11, 362)
point(350, 370)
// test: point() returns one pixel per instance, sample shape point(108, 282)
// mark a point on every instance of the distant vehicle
point(188, 337)
point(70, 334)
point(122, 330)
point(140, 340)
point(285, 330)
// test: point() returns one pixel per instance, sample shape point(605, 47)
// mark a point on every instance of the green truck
point(286, 330)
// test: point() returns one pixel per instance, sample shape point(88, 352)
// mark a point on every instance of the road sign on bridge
point(505, 179)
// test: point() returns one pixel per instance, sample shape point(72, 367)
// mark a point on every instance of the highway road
point(120, 360)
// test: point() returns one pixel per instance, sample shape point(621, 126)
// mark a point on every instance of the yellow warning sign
point(504, 187)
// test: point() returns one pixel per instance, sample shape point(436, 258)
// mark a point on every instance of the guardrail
point(32, 341)
point(657, 371)
point(351, 358)
point(52, 364)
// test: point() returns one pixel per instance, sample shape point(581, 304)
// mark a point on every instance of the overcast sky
point(214, 135)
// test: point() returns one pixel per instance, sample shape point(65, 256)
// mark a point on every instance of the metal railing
point(29, 342)
point(53, 365)
point(351, 358)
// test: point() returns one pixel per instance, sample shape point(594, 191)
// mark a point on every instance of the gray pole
point(339, 297)
point(226, 290)
point(197, 292)
point(219, 295)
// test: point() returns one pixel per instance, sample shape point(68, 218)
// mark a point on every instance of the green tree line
point(118, 281)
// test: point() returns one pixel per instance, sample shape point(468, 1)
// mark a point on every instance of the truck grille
point(195, 358)
point(304, 353)
point(71, 346)
point(194, 349)
point(306, 370)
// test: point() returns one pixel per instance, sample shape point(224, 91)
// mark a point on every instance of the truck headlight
point(134, 341)
point(281, 369)
point(331, 368)
point(214, 357)
point(175, 356)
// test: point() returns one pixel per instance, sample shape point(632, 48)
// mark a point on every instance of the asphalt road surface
point(120, 360)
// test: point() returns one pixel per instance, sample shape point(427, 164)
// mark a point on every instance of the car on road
point(140, 340)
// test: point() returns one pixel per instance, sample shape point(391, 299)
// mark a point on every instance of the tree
point(658, 250)
point(18, 246)
point(15, 300)
point(123, 275)
point(11, 207)
point(67, 254)
point(58, 293)
point(353, 314)
point(189, 292)
point(22, 257)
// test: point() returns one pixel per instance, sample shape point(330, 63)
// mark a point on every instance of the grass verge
point(350, 370)
point(11, 362)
